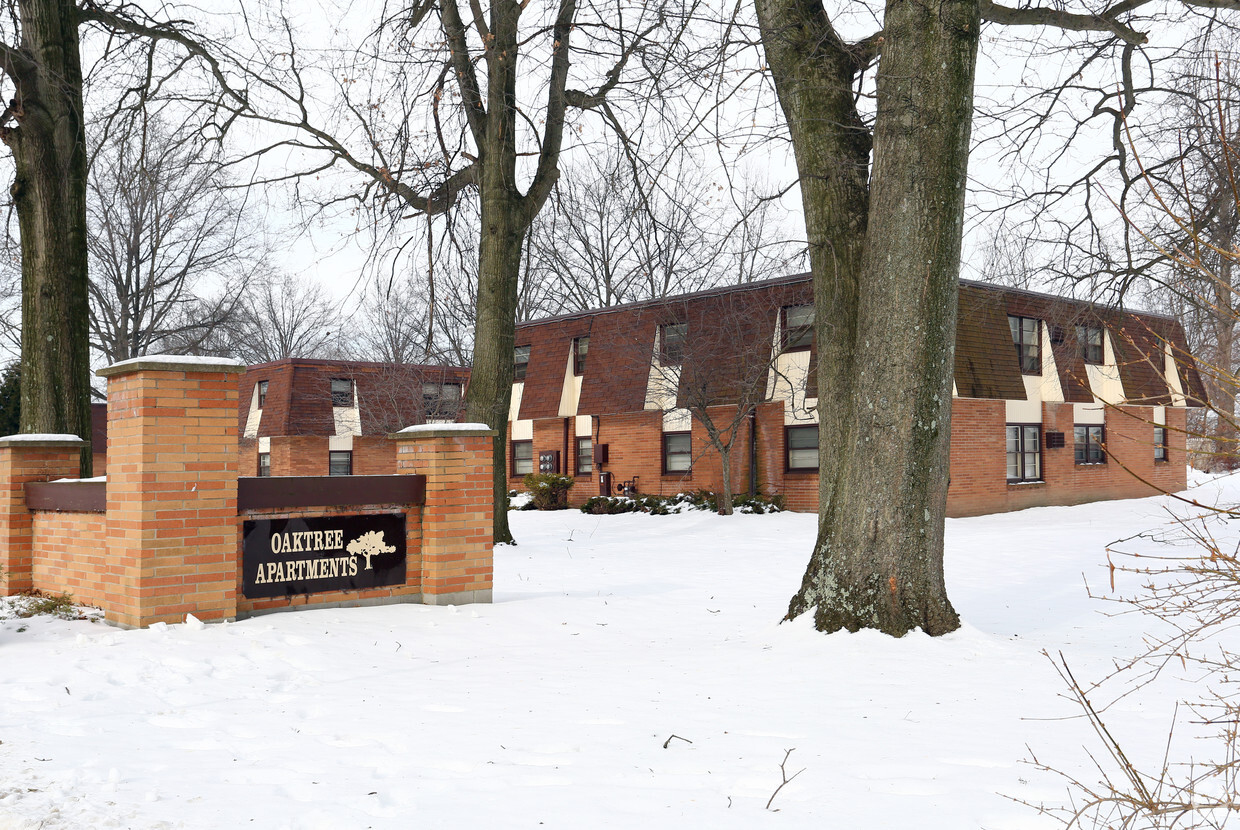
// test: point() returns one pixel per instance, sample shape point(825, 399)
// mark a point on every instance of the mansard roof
point(389, 395)
point(986, 366)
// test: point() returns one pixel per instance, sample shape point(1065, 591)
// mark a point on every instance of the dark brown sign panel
point(308, 555)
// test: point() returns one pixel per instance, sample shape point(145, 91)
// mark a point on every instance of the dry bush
point(1189, 589)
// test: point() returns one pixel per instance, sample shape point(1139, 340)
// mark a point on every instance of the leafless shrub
point(1188, 590)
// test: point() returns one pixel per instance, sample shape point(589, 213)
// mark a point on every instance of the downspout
point(753, 452)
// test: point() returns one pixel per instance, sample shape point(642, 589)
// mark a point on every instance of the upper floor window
point(1160, 443)
point(1027, 335)
point(441, 401)
point(262, 393)
point(1089, 444)
point(520, 362)
point(264, 464)
point(672, 339)
point(581, 346)
point(342, 392)
point(1090, 340)
point(798, 327)
point(801, 448)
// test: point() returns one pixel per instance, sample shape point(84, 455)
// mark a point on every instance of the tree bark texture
point(886, 263)
point(505, 219)
point(49, 192)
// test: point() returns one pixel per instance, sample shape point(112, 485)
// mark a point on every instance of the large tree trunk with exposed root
point(49, 192)
point(886, 261)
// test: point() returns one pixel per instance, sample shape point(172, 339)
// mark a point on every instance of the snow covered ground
point(557, 705)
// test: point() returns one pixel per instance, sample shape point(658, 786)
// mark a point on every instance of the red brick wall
point(72, 555)
point(373, 455)
point(978, 458)
point(979, 474)
point(299, 455)
point(457, 554)
point(307, 455)
point(247, 457)
point(172, 490)
point(636, 449)
point(21, 462)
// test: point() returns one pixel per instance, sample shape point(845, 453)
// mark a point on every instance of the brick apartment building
point(1056, 401)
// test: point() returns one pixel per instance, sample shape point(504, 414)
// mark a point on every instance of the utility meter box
point(549, 461)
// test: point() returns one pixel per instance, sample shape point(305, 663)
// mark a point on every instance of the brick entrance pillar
point(457, 558)
point(26, 458)
point(172, 487)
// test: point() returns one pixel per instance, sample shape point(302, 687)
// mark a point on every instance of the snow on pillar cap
point(443, 430)
point(172, 363)
point(42, 439)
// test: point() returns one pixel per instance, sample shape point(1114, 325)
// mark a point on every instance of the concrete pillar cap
point(37, 439)
point(172, 363)
point(443, 431)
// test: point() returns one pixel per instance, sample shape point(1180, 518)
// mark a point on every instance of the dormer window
point(581, 347)
point(441, 401)
point(520, 362)
point(672, 338)
point(1027, 335)
point(1089, 339)
point(342, 392)
point(262, 393)
point(797, 324)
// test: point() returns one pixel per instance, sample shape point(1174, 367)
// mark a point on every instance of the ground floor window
point(522, 458)
point(340, 463)
point(801, 448)
point(1024, 452)
point(264, 464)
point(1160, 443)
point(677, 452)
point(585, 456)
point(1089, 442)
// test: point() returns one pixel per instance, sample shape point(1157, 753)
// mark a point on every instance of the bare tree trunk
point(505, 218)
point(49, 191)
point(1223, 389)
point(490, 381)
point(886, 321)
point(724, 498)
